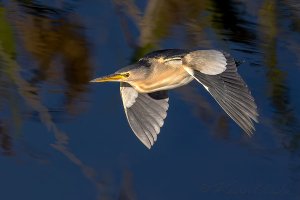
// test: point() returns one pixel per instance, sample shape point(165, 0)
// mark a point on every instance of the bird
point(144, 88)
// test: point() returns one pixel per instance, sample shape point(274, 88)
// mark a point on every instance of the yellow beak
point(112, 77)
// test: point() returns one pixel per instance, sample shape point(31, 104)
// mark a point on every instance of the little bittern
point(145, 84)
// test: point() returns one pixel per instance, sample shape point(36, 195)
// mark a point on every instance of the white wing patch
point(192, 73)
point(210, 62)
point(129, 95)
point(173, 62)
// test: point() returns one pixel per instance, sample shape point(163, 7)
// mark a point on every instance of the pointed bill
point(109, 78)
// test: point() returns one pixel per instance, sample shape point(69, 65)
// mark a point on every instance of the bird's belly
point(163, 81)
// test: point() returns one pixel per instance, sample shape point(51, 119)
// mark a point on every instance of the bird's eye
point(126, 75)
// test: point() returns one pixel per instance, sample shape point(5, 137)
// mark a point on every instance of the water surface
point(64, 138)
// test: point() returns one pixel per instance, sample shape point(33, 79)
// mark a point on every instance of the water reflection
point(279, 93)
point(228, 19)
point(127, 190)
point(5, 140)
point(48, 40)
point(59, 48)
point(7, 102)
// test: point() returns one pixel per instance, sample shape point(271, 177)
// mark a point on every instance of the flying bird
point(144, 88)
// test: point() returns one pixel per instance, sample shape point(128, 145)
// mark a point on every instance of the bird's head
point(127, 74)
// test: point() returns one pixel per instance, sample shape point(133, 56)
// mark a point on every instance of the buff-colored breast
point(163, 76)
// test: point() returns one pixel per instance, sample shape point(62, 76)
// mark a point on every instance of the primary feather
point(231, 93)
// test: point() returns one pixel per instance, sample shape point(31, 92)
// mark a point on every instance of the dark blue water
point(64, 138)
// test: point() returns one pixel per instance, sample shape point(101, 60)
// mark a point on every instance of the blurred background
point(63, 138)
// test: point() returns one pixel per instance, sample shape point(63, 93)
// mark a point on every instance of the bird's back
point(166, 53)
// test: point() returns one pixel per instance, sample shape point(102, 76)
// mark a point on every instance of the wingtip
point(250, 131)
point(146, 143)
point(250, 134)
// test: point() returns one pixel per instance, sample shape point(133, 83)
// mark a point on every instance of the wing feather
point(231, 93)
point(145, 112)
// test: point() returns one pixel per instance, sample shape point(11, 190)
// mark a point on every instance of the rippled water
point(63, 138)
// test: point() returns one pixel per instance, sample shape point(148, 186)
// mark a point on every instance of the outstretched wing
point(145, 112)
point(227, 87)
